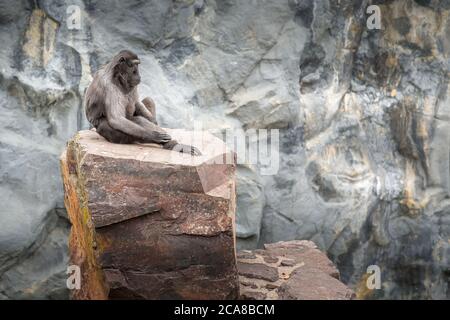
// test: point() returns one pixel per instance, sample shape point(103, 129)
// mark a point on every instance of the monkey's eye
point(129, 63)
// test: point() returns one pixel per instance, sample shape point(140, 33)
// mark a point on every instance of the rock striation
point(290, 270)
point(149, 223)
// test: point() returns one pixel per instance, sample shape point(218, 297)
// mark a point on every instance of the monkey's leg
point(149, 105)
point(153, 130)
point(113, 135)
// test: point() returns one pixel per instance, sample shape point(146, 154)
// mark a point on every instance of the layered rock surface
point(290, 270)
point(149, 223)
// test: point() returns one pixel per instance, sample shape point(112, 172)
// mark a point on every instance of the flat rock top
point(127, 175)
point(212, 148)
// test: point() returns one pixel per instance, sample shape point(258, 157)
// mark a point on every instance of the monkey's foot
point(183, 148)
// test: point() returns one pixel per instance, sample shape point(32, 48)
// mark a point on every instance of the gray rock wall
point(363, 118)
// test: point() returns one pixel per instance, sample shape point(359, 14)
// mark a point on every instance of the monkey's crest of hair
point(124, 54)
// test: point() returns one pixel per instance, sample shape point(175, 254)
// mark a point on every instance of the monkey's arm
point(169, 144)
point(118, 121)
point(132, 129)
point(142, 110)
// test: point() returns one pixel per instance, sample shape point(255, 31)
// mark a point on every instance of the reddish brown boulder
point(290, 270)
point(149, 223)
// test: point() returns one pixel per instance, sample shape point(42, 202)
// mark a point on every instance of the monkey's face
point(128, 68)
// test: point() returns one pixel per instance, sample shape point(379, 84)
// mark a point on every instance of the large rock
point(290, 270)
point(150, 223)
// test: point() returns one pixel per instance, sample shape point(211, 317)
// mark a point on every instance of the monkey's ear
point(121, 60)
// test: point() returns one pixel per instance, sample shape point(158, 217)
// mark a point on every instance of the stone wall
point(363, 118)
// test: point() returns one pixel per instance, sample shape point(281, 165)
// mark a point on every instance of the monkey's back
point(94, 99)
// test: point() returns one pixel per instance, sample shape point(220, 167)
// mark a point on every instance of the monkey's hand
point(183, 148)
point(160, 137)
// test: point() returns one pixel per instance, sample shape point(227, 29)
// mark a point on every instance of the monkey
point(113, 108)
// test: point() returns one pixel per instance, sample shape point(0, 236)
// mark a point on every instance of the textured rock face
point(289, 270)
point(363, 118)
point(150, 223)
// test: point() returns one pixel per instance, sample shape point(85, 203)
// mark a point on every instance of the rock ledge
point(149, 223)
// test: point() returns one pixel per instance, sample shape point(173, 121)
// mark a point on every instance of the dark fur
point(113, 106)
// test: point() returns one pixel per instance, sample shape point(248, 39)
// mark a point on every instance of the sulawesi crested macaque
point(113, 106)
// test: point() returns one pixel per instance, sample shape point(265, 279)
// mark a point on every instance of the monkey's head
point(126, 68)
